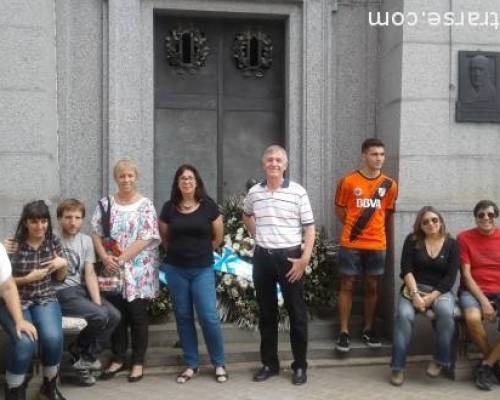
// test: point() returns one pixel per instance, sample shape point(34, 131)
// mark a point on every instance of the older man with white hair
point(277, 212)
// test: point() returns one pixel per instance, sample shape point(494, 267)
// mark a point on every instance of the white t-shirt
point(5, 267)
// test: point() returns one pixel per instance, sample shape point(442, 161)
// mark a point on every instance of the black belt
point(284, 250)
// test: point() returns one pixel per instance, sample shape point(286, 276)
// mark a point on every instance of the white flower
point(227, 240)
point(240, 231)
point(238, 237)
point(227, 279)
point(236, 246)
point(235, 293)
point(243, 283)
point(308, 270)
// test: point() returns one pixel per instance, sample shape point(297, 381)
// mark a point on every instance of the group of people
point(46, 276)
point(430, 262)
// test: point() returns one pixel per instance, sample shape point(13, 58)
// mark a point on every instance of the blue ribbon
point(222, 261)
point(163, 278)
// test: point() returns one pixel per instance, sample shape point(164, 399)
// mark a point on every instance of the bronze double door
point(219, 99)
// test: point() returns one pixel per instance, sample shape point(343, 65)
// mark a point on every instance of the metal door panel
point(246, 135)
point(191, 136)
point(216, 117)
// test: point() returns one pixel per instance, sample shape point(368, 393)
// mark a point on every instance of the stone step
point(249, 352)
point(237, 353)
point(165, 334)
point(319, 329)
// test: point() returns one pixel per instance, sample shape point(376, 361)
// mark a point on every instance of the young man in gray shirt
point(79, 294)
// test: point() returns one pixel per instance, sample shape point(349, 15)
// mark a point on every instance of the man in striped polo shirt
point(277, 212)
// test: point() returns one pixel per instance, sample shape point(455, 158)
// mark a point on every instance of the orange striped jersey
point(366, 201)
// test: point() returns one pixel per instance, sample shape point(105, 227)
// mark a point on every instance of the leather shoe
point(299, 376)
point(133, 379)
point(264, 374)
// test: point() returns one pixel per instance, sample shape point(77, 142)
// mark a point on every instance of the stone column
point(127, 137)
point(28, 123)
point(316, 14)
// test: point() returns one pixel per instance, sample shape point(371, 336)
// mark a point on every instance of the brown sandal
point(185, 376)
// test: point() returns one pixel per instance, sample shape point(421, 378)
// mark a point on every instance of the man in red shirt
point(480, 287)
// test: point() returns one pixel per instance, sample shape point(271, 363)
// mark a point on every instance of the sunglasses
point(482, 215)
point(427, 221)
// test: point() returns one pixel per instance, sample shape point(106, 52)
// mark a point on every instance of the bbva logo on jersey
point(368, 203)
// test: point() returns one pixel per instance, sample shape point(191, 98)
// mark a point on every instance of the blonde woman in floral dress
point(134, 227)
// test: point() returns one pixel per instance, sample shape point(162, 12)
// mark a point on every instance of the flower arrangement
point(236, 235)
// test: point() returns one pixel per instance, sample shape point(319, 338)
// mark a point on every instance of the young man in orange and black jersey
point(364, 200)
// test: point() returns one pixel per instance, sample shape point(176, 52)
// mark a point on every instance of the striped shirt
point(279, 215)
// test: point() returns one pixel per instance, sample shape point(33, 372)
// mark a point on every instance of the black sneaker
point(17, 393)
point(370, 339)
point(483, 375)
point(85, 378)
point(49, 390)
point(343, 343)
point(496, 371)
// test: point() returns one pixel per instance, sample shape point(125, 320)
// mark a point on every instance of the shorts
point(467, 300)
point(361, 262)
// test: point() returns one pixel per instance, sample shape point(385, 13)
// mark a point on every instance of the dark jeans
point(101, 320)
point(135, 315)
point(270, 268)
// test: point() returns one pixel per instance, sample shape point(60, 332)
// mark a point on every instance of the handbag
point(110, 282)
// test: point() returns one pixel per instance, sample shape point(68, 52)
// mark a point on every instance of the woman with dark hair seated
point(36, 263)
point(191, 228)
point(429, 266)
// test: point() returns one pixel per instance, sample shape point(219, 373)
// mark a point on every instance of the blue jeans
point(48, 322)
point(196, 287)
point(444, 330)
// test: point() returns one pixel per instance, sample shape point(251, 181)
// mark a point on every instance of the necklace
point(188, 206)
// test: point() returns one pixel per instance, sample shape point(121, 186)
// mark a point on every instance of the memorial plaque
point(478, 87)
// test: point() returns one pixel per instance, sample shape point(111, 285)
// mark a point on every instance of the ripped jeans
point(444, 328)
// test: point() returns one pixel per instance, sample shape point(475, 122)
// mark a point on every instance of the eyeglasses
point(187, 178)
point(427, 221)
point(482, 215)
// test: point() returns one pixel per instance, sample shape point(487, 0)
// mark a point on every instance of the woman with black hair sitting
point(36, 263)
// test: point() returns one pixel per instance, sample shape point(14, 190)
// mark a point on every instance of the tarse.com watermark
point(433, 18)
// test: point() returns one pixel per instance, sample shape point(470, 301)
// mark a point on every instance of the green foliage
point(321, 280)
point(160, 306)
